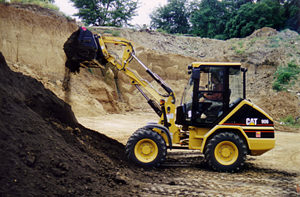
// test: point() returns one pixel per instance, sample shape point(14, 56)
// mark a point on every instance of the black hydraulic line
point(244, 70)
point(152, 103)
point(142, 92)
point(156, 78)
point(154, 107)
point(160, 81)
point(166, 124)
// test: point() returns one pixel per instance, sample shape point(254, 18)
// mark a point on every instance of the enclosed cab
point(218, 118)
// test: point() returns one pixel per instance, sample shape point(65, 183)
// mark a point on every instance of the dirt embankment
point(32, 40)
point(44, 151)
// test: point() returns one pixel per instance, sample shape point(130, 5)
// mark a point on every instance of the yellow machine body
point(241, 128)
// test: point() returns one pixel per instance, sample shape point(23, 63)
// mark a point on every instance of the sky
point(143, 12)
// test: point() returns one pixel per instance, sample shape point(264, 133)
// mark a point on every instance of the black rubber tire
point(139, 135)
point(210, 157)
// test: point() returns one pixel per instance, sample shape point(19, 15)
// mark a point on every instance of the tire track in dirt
point(295, 158)
point(194, 179)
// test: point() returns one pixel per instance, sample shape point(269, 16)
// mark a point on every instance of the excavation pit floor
point(276, 173)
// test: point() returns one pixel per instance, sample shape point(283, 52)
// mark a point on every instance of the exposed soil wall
point(33, 37)
point(32, 40)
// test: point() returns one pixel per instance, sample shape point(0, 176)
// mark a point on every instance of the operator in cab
point(215, 97)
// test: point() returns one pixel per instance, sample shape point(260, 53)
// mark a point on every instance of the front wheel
point(226, 152)
point(146, 148)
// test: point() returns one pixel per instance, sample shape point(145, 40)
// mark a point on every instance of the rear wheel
point(226, 152)
point(146, 148)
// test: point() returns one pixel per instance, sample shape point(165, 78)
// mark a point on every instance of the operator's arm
point(217, 96)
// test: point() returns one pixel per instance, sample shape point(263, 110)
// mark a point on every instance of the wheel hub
point(146, 149)
point(226, 153)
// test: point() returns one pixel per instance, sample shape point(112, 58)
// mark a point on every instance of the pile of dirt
point(281, 105)
point(45, 152)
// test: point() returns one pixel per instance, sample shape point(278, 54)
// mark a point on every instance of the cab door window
point(211, 92)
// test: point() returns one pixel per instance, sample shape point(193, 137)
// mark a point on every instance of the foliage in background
point(227, 18)
point(172, 18)
point(43, 3)
point(106, 12)
point(208, 19)
point(292, 14)
point(291, 121)
point(286, 76)
point(252, 16)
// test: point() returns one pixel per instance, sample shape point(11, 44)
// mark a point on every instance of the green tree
point(223, 19)
point(252, 16)
point(292, 13)
point(233, 5)
point(209, 18)
point(172, 18)
point(48, 1)
point(106, 12)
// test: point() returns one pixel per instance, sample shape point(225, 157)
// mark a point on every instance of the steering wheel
point(200, 95)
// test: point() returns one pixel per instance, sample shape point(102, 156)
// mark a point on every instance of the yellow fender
point(223, 127)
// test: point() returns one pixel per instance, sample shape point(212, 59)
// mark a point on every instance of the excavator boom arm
point(122, 65)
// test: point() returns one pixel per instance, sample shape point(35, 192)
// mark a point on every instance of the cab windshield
point(188, 93)
point(235, 84)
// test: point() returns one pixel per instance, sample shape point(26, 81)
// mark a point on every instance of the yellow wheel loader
point(213, 117)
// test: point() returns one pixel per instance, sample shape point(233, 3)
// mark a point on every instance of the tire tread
point(209, 152)
point(141, 134)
